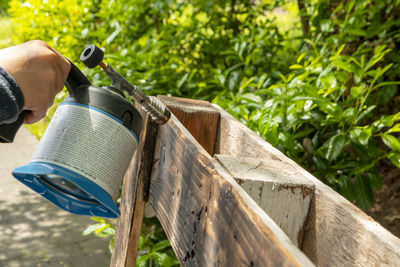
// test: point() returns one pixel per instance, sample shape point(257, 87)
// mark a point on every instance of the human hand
point(39, 71)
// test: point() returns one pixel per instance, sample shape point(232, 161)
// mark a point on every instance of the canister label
point(90, 142)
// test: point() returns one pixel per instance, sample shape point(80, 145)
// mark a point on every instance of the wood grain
point(145, 166)
point(209, 219)
point(124, 223)
point(276, 188)
point(133, 199)
point(337, 232)
point(199, 117)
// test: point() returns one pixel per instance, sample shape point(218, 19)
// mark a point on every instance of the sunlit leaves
point(395, 159)
point(360, 135)
point(391, 141)
point(335, 146)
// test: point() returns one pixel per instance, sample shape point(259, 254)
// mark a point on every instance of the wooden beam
point(142, 190)
point(208, 218)
point(337, 232)
point(133, 199)
point(277, 188)
point(199, 117)
point(124, 223)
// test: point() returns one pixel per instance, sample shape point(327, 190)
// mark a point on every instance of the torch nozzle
point(92, 56)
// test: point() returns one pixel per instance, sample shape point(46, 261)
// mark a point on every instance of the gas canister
point(82, 158)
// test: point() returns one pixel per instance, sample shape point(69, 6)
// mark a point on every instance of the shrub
point(322, 115)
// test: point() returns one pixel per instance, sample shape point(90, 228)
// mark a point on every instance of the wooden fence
point(225, 197)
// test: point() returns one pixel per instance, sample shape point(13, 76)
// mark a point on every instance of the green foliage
point(322, 115)
point(326, 95)
point(154, 247)
point(329, 111)
point(6, 31)
point(3, 7)
point(101, 228)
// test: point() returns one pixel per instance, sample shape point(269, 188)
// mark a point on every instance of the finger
point(63, 64)
point(34, 116)
point(59, 79)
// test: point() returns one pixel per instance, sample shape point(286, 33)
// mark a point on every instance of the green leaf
point(246, 83)
point(107, 231)
point(301, 57)
point(365, 113)
point(328, 81)
point(141, 242)
point(183, 80)
point(384, 121)
point(233, 80)
point(382, 71)
point(163, 259)
point(384, 84)
point(391, 142)
point(357, 32)
point(234, 67)
point(221, 79)
point(271, 133)
point(252, 98)
point(346, 188)
point(84, 32)
point(355, 91)
point(92, 228)
point(319, 162)
point(394, 129)
point(364, 193)
point(97, 219)
point(335, 146)
point(143, 40)
point(111, 244)
point(334, 57)
point(360, 135)
point(142, 260)
point(343, 65)
point(349, 115)
point(160, 245)
point(395, 159)
point(296, 67)
point(112, 36)
point(262, 83)
point(379, 54)
point(104, 226)
point(375, 180)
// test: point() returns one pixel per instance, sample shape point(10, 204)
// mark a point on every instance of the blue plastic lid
point(67, 189)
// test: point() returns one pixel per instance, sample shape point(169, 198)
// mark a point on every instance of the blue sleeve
point(11, 98)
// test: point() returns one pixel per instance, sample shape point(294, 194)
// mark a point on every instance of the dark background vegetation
point(316, 79)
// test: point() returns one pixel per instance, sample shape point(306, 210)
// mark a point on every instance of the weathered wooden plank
point(209, 219)
point(124, 223)
point(199, 117)
point(337, 232)
point(277, 188)
point(133, 199)
point(145, 166)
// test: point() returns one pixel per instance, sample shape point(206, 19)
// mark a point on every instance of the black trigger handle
point(75, 79)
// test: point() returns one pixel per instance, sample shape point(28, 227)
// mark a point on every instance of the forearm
point(11, 98)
